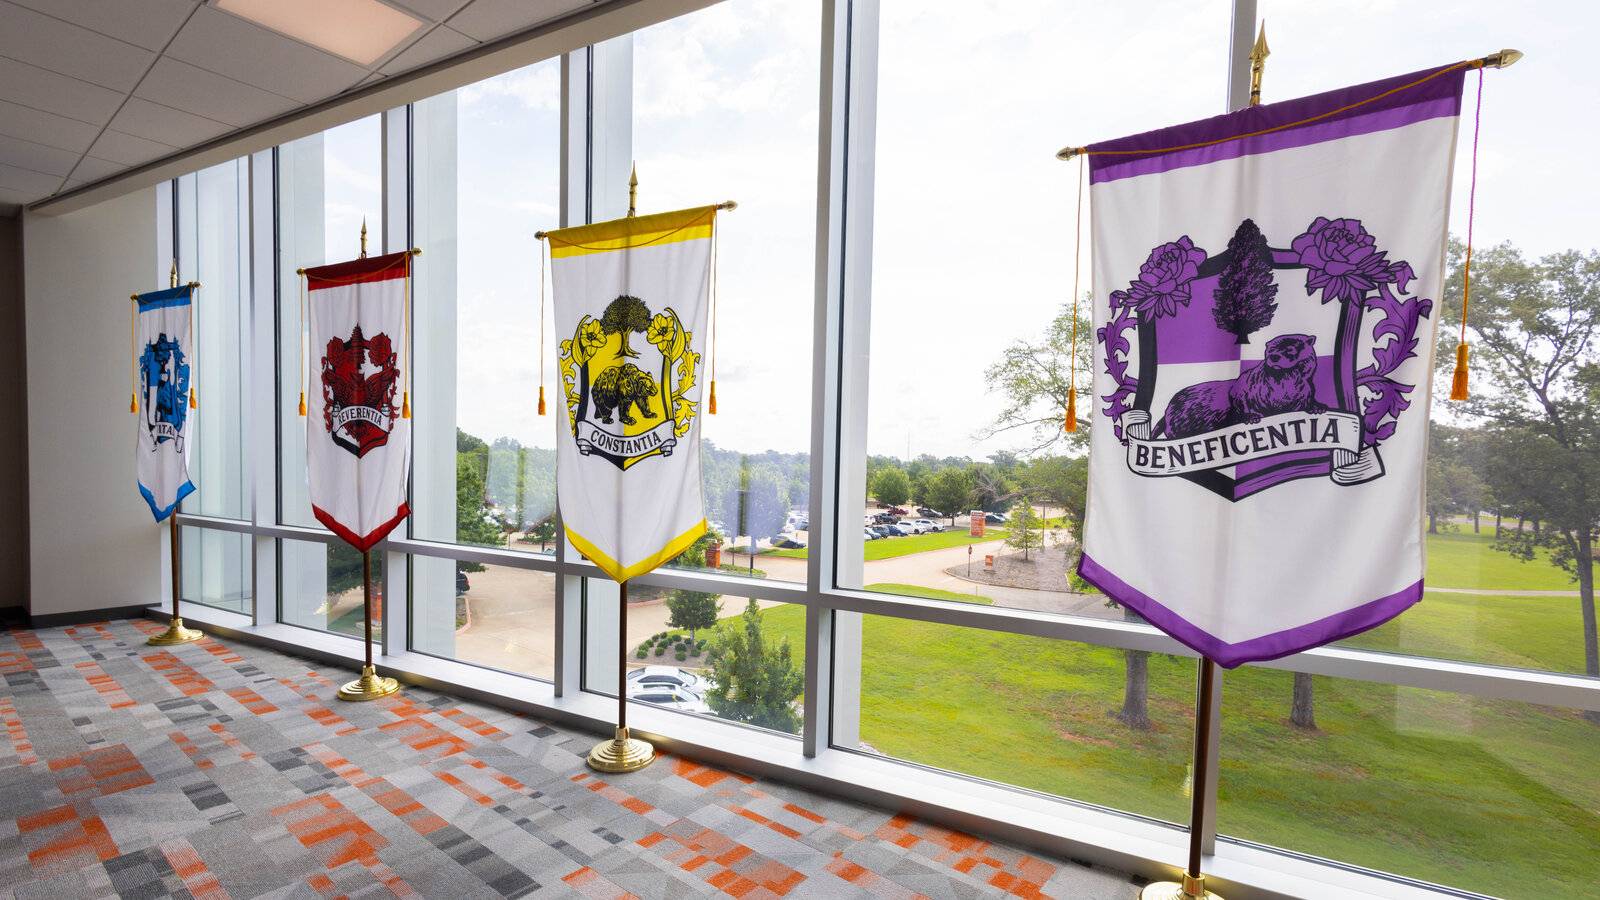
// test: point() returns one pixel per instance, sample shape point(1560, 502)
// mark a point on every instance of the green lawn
point(1494, 796)
point(1466, 560)
point(905, 546)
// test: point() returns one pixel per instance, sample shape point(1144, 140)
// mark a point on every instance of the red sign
point(976, 527)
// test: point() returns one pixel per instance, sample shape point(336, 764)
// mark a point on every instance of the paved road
point(1491, 592)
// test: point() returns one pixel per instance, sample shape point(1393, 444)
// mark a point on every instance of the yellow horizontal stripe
point(620, 573)
point(631, 232)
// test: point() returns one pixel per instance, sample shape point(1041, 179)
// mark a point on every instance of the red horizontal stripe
point(356, 271)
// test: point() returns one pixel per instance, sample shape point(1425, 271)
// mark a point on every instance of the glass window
point(319, 586)
point(328, 185)
point(1097, 724)
point(495, 616)
point(1492, 796)
point(731, 658)
point(1484, 603)
point(217, 569)
point(972, 280)
point(725, 107)
point(213, 249)
point(486, 177)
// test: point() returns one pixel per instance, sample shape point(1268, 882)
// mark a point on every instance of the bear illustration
point(621, 388)
point(1282, 383)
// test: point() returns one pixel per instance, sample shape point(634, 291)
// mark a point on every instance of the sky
point(972, 238)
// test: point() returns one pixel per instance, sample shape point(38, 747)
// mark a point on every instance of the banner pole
point(622, 753)
point(369, 686)
point(175, 633)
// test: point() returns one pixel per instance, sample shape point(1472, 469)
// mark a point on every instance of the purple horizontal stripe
point(1271, 646)
point(1246, 486)
point(1440, 96)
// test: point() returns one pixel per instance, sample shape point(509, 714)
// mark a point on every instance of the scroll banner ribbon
point(590, 438)
point(1338, 432)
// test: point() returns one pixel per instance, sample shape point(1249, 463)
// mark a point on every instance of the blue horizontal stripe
point(178, 296)
point(184, 490)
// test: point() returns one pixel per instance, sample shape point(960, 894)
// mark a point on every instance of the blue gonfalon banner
point(163, 378)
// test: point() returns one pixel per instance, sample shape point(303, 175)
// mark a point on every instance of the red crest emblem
point(358, 385)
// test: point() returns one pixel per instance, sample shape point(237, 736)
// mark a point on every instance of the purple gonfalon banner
point(1262, 377)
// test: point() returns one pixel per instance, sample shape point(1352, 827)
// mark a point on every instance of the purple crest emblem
point(1211, 384)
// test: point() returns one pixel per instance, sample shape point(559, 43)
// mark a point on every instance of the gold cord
point(542, 249)
point(711, 405)
point(1071, 423)
point(133, 354)
point(194, 356)
point(1467, 64)
point(304, 325)
point(405, 345)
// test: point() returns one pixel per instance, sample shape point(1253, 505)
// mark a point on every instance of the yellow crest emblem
point(626, 403)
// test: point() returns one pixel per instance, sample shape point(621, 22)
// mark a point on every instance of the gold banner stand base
point(1193, 887)
point(621, 754)
point(175, 634)
point(369, 686)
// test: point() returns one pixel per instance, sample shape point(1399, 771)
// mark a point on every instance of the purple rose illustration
point(1164, 278)
point(1341, 259)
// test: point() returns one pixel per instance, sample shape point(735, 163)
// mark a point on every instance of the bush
point(660, 649)
point(682, 656)
point(640, 654)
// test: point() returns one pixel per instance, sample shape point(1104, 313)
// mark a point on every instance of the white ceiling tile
point(11, 202)
point(228, 45)
point(62, 47)
point(437, 10)
point(156, 122)
point(182, 86)
point(148, 23)
point(41, 89)
point(46, 128)
point(485, 20)
point(92, 169)
point(128, 149)
point(28, 181)
point(28, 155)
point(436, 44)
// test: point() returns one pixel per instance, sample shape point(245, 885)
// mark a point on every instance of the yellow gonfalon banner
point(630, 313)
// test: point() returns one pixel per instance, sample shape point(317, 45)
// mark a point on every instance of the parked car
point(929, 513)
point(669, 696)
point(929, 525)
point(462, 584)
point(668, 675)
point(909, 526)
point(882, 518)
point(788, 542)
point(881, 531)
point(994, 518)
point(897, 511)
point(869, 534)
point(898, 530)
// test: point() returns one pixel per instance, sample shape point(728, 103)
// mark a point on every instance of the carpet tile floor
point(215, 770)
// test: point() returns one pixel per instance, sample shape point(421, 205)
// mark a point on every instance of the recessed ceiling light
point(361, 31)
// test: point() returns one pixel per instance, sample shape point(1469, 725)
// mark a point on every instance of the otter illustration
point(1282, 383)
point(620, 388)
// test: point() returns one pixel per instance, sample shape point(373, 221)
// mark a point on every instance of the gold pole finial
point(1258, 63)
point(1502, 59)
point(633, 189)
point(172, 276)
point(363, 237)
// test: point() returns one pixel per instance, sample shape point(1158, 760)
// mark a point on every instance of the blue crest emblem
point(164, 381)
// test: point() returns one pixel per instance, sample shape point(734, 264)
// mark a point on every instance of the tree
point(763, 501)
point(472, 522)
point(1302, 712)
point(693, 610)
point(891, 487)
point(950, 491)
point(752, 681)
point(1027, 529)
point(1246, 291)
point(1033, 377)
point(624, 315)
point(1053, 480)
point(1535, 333)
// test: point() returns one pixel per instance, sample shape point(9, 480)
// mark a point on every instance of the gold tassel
point(194, 399)
point(405, 405)
point(1072, 410)
point(1458, 384)
point(541, 399)
point(712, 406)
point(133, 402)
point(302, 404)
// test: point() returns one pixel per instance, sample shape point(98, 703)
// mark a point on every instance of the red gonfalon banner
point(358, 431)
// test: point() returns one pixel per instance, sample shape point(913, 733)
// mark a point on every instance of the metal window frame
point(843, 257)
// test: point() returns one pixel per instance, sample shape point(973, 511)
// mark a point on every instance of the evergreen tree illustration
point(1246, 294)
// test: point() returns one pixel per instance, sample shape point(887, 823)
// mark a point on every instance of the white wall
point(92, 542)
